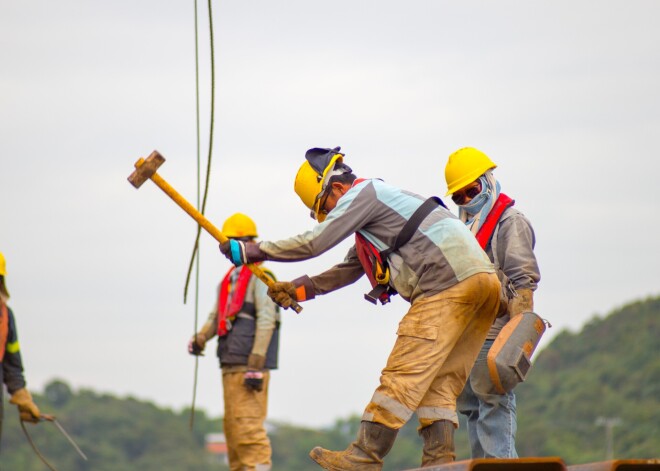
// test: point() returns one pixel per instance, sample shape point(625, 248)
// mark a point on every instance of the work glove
point(282, 293)
point(522, 302)
point(242, 253)
point(27, 409)
point(197, 344)
point(254, 377)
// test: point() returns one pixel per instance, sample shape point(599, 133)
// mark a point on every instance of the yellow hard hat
point(465, 166)
point(3, 272)
point(239, 225)
point(313, 175)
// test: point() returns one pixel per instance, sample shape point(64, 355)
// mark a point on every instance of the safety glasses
point(466, 194)
point(322, 198)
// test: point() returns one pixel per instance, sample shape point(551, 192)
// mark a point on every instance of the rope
point(191, 420)
point(35, 449)
point(208, 164)
point(194, 259)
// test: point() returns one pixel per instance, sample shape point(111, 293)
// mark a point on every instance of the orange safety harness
point(485, 232)
point(4, 330)
point(229, 306)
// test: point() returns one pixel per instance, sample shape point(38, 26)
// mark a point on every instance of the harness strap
point(412, 224)
point(485, 233)
point(382, 292)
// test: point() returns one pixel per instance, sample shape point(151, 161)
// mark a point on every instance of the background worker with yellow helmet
point(11, 365)
point(508, 238)
point(246, 322)
point(440, 270)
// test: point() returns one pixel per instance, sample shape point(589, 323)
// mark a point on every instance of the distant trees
point(610, 369)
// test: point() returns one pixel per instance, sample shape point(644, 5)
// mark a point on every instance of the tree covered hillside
point(115, 434)
point(609, 370)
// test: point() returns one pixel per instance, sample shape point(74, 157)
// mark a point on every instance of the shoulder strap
point(412, 224)
point(485, 233)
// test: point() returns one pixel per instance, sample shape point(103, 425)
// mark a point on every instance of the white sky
point(562, 95)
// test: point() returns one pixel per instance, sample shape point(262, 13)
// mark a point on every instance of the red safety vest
point(485, 232)
point(228, 310)
point(4, 330)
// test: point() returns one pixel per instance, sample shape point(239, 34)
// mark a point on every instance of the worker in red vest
point(11, 366)
point(508, 238)
point(246, 322)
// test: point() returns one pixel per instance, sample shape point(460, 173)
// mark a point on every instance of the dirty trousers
point(438, 341)
point(248, 446)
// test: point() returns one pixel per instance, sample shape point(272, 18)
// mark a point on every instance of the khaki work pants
point(438, 341)
point(245, 412)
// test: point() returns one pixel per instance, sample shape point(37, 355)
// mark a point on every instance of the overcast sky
point(562, 95)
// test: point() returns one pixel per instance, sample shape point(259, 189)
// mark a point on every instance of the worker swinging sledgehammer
point(434, 262)
point(146, 170)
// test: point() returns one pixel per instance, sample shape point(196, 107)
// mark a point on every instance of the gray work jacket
point(511, 249)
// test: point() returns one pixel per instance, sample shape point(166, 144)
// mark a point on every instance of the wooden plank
point(618, 465)
point(501, 464)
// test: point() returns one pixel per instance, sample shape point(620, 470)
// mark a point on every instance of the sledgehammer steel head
point(145, 169)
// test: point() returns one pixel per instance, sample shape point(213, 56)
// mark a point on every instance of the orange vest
point(230, 298)
point(4, 330)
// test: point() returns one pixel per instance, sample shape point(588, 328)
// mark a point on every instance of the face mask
point(477, 203)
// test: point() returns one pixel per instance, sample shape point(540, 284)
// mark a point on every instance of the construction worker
point(246, 322)
point(437, 266)
point(508, 238)
point(11, 372)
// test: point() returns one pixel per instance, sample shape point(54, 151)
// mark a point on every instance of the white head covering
point(474, 213)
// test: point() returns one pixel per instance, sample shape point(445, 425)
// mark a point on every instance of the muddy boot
point(374, 441)
point(438, 443)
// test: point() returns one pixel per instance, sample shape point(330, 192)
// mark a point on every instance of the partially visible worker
point(247, 324)
point(11, 373)
point(405, 244)
point(508, 238)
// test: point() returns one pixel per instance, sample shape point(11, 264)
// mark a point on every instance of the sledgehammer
point(146, 169)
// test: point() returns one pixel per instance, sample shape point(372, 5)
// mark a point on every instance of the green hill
point(611, 369)
point(115, 434)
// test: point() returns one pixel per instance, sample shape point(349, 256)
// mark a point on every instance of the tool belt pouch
point(509, 358)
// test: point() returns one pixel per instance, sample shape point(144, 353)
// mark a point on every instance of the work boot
point(438, 443)
point(374, 441)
